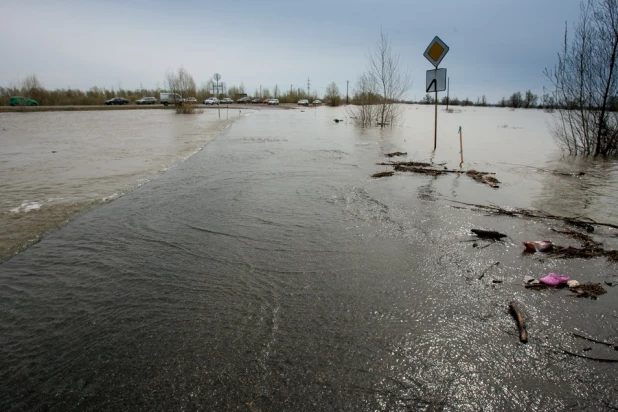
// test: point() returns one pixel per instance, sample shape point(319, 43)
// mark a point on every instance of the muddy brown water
point(270, 272)
point(56, 164)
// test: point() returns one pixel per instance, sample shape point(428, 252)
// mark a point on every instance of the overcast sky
point(496, 46)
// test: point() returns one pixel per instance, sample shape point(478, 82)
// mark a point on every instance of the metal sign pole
point(435, 52)
point(435, 129)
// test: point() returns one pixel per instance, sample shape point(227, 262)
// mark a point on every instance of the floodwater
point(270, 272)
point(56, 164)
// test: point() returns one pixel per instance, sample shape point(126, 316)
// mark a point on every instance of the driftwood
point(416, 164)
point(396, 154)
point(488, 234)
point(582, 237)
point(382, 174)
point(615, 347)
point(483, 177)
point(555, 172)
point(586, 252)
point(589, 357)
point(519, 319)
point(536, 214)
point(430, 170)
point(587, 290)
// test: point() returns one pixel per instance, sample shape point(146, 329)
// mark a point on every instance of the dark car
point(256, 101)
point(243, 100)
point(22, 101)
point(117, 100)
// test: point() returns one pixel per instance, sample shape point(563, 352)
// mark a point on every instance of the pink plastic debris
point(554, 279)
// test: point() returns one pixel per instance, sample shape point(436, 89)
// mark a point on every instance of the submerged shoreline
point(71, 182)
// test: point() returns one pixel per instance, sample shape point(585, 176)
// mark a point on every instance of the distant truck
point(170, 98)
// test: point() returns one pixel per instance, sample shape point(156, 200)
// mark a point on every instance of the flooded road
point(56, 164)
point(270, 272)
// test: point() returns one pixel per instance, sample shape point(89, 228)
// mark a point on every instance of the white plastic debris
point(572, 283)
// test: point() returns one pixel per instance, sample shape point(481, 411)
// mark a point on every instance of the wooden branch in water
point(589, 357)
point(382, 174)
point(519, 319)
point(538, 214)
point(595, 341)
point(556, 172)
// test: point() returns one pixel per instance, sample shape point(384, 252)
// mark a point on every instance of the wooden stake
point(460, 146)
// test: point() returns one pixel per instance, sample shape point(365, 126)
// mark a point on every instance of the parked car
point(265, 101)
point(191, 100)
point(226, 100)
point(22, 101)
point(211, 101)
point(243, 100)
point(256, 101)
point(273, 102)
point(117, 100)
point(146, 100)
point(303, 102)
point(317, 102)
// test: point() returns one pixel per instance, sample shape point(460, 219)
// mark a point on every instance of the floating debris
point(393, 154)
point(382, 174)
point(519, 320)
point(538, 245)
point(483, 177)
point(586, 252)
point(582, 237)
point(539, 214)
point(414, 164)
point(430, 170)
point(588, 290)
point(488, 234)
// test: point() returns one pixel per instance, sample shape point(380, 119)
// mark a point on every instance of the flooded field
point(269, 271)
point(56, 164)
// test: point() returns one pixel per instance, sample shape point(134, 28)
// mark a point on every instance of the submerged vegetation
point(380, 87)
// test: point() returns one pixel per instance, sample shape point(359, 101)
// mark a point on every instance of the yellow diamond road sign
point(436, 51)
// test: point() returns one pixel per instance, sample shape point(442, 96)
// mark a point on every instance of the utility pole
point(308, 87)
point(347, 86)
point(261, 91)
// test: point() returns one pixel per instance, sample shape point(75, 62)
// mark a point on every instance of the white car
point(211, 100)
point(303, 102)
point(273, 102)
point(227, 100)
point(191, 100)
point(317, 102)
point(146, 100)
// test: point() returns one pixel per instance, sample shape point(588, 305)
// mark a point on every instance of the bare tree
point(183, 84)
point(332, 96)
point(365, 101)
point(385, 79)
point(586, 83)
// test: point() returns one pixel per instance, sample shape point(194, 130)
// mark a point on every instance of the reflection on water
point(270, 272)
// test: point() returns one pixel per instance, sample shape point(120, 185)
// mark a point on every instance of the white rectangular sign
point(436, 80)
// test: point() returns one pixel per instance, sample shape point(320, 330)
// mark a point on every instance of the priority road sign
point(436, 51)
point(436, 80)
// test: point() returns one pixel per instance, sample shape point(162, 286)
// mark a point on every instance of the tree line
point(32, 88)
